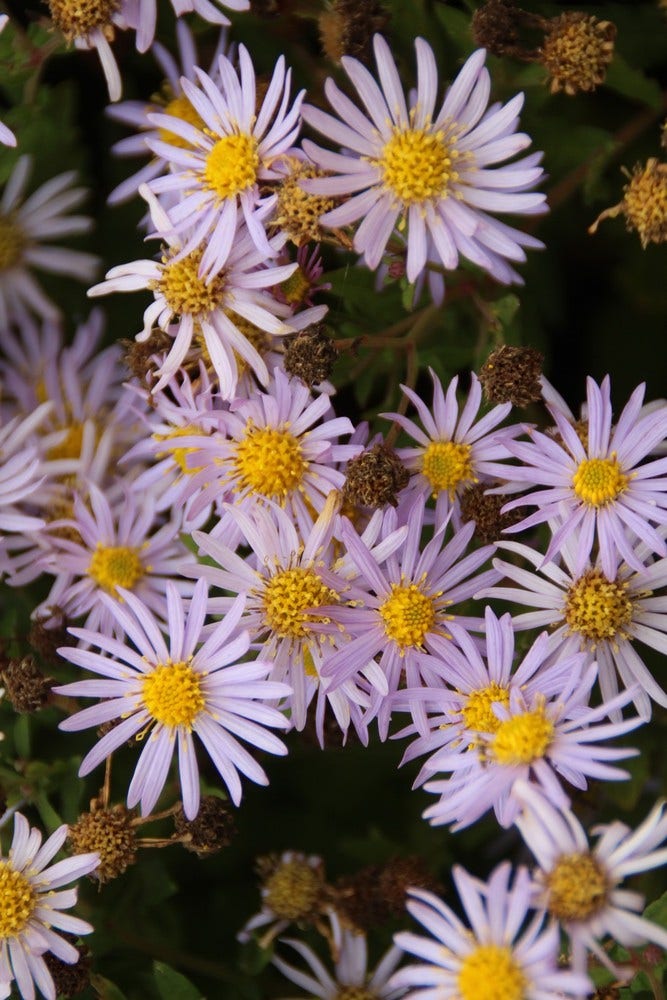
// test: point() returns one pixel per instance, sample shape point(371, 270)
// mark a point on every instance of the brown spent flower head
point(212, 829)
point(27, 688)
point(576, 51)
point(484, 509)
point(109, 831)
point(512, 375)
point(139, 357)
point(375, 477)
point(76, 18)
point(495, 27)
point(310, 355)
point(297, 212)
point(70, 980)
point(46, 640)
point(376, 894)
point(644, 203)
point(347, 29)
point(293, 885)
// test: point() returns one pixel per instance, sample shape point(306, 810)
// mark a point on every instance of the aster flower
point(279, 448)
point(506, 952)
point(93, 26)
point(292, 890)
point(168, 693)
point(7, 137)
point(429, 172)
point(135, 113)
point(403, 607)
point(599, 486)
point(495, 727)
point(452, 449)
point(220, 171)
point(20, 470)
point(143, 15)
point(214, 310)
point(23, 227)
point(351, 976)
point(286, 580)
point(608, 616)
point(109, 545)
point(581, 886)
point(32, 902)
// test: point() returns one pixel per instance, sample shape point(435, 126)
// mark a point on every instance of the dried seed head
point(644, 203)
point(347, 29)
point(109, 831)
point(484, 510)
point(376, 894)
point(70, 980)
point(375, 477)
point(27, 688)
point(512, 375)
point(576, 51)
point(310, 356)
point(47, 640)
point(212, 829)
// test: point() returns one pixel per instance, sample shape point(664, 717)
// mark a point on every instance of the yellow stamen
point(522, 739)
point(115, 566)
point(577, 887)
point(408, 614)
point(599, 481)
point(269, 462)
point(185, 292)
point(447, 464)
point(287, 594)
point(232, 165)
point(417, 165)
point(12, 243)
point(598, 608)
point(490, 972)
point(17, 901)
point(173, 695)
point(180, 455)
point(478, 712)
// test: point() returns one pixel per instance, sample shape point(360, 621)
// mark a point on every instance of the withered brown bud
point(47, 635)
point(494, 27)
point(70, 980)
point(375, 477)
point(27, 688)
point(212, 828)
point(138, 357)
point(347, 29)
point(576, 51)
point(377, 893)
point(109, 831)
point(512, 375)
point(484, 509)
point(310, 356)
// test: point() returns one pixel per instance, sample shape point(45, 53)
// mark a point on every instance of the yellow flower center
point(70, 446)
point(115, 566)
point(180, 107)
point(12, 243)
point(598, 608)
point(645, 202)
point(599, 481)
point(355, 993)
point(418, 165)
point(298, 212)
point(17, 901)
point(76, 18)
point(232, 165)
point(293, 890)
point(576, 51)
point(446, 464)
point(577, 887)
point(180, 455)
point(522, 739)
point(490, 972)
point(185, 292)
point(173, 694)
point(296, 287)
point(269, 462)
point(408, 614)
point(478, 712)
point(287, 594)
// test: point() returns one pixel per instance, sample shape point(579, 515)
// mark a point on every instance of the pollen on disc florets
point(173, 695)
point(12, 242)
point(599, 481)
point(577, 887)
point(232, 165)
point(576, 51)
point(114, 566)
point(77, 18)
point(447, 465)
point(286, 596)
point(298, 213)
point(522, 739)
point(418, 165)
point(478, 711)
point(597, 608)
point(292, 888)
point(17, 901)
point(109, 831)
point(408, 615)
point(185, 292)
point(269, 461)
point(492, 972)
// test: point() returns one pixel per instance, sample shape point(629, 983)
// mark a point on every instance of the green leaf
point(22, 736)
point(105, 989)
point(633, 83)
point(657, 911)
point(48, 815)
point(457, 25)
point(172, 985)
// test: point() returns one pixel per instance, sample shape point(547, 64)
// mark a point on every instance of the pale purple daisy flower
point(608, 616)
point(215, 310)
point(108, 547)
point(581, 887)
point(32, 905)
point(21, 471)
point(142, 15)
point(598, 486)
point(25, 224)
point(286, 580)
point(495, 727)
point(429, 172)
point(218, 176)
point(351, 976)
point(135, 113)
point(166, 693)
point(508, 951)
point(452, 446)
point(403, 608)
point(7, 137)
point(280, 446)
